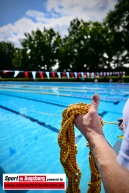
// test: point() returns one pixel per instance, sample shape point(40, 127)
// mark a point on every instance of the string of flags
point(44, 74)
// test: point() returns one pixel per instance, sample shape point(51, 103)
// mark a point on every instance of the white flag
point(88, 74)
point(101, 74)
point(34, 74)
point(48, 74)
point(59, 75)
point(67, 73)
point(16, 73)
point(82, 74)
point(75, 74)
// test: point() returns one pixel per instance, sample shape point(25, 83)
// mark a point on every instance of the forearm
point(115, 178)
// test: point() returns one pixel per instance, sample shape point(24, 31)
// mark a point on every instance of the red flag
point(53, 74)
point(85, 75)
point(72, 74)
point(64, 74)
point(79, 74)
point(26, 74)
point(41, 74)
point(5, 71)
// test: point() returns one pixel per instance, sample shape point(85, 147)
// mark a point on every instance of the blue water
point(30, 114)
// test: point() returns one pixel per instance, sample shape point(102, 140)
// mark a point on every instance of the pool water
point(31, 119)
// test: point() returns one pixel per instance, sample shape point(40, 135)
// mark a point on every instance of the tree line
point(89, 46)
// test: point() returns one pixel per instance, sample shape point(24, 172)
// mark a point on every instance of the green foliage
point(117, 22)
point(89, 46)
point(7, 52)
point(40, 49)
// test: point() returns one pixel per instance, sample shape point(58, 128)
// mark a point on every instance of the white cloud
point(58, 15)
point(14, 32)
point(39, 16)
point(85, 9)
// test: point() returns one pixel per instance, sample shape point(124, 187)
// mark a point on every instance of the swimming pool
point(31, 118)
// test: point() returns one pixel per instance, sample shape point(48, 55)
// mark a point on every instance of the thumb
point(95, 102)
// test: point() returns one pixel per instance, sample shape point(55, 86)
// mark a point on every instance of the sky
point(20, 16)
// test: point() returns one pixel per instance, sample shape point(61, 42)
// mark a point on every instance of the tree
point(17, 59)
point(40, 49)
point(84, 46)
point(7, 52)
point(117, 22)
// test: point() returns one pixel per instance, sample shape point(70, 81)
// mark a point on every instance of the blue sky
point(20, 16)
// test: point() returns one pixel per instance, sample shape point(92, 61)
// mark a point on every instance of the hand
point(90, 123)
point(121, 126)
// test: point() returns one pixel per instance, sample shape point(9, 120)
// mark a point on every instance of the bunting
point(88, 74)
point(101, 74)
point(59, 74)
point(16, 73)
point(26, 74)
point(53, 74)
point(79, 75)
point(92, 75)
point(82, 74)
point(34, 74)
point(5, 71)
point(67, 73)
point(48, 75)
point(105, 74)
point(75, 74)
point(97, 74)
point(85, 75)
point(72, 74)
point(64, 74)
point(41, 74)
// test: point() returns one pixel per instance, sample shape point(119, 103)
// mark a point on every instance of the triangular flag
point(34, 74)
point(41, 74)
point(53, 74)
point(67, 73)
point(79, 74)
point(92, 74)
point(97, 74)
point(16, 73)
point(26, 74)
point(105, 73)
point(48, 74)
point(59, 75)
point(72, 74)
point(88, 74)
point(5, 71)
point(101, 74)
point(75, 74)
point(82, 74)
point(63, 74)
point(85, 75)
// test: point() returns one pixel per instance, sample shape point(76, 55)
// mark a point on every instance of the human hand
point(90, 123)
point(121, 126)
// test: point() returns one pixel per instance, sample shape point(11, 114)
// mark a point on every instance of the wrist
point(91, 135)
